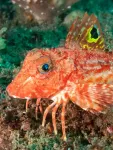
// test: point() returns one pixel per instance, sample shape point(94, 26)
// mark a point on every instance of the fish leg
point(40, 107)
point(37, 105)
point(27, 104)
point(60, 98)
point(54, 118)
point(46, 112)
point(63, 120)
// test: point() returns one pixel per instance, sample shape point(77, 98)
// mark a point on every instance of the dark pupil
point(45, 67)
point(94, 33)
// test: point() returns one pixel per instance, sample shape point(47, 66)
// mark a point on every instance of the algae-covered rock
point(2, 40)
point(2, 43)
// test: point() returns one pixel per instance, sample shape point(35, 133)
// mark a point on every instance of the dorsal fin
point(85, 33)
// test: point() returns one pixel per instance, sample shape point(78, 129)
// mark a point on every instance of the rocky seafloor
point(19, 33)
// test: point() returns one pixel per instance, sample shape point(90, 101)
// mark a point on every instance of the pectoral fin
point(94, 97)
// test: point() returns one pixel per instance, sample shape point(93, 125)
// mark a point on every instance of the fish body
point(81, 71)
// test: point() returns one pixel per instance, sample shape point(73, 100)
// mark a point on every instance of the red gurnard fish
point(81, 71)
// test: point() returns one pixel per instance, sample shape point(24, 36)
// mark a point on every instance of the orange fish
point(81, 71)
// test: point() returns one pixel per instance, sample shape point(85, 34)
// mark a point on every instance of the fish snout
point(12, 90)
point(23, 90)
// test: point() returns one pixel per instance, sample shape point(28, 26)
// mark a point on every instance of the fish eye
point(45, 67)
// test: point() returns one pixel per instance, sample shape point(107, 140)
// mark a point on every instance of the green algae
point(2, 43)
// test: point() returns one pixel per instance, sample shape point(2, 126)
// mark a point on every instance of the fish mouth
point(24, 90)
point(21, 94)
point(17, 96)
point(27, 98)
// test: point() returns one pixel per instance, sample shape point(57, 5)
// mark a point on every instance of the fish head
point(43, 74)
